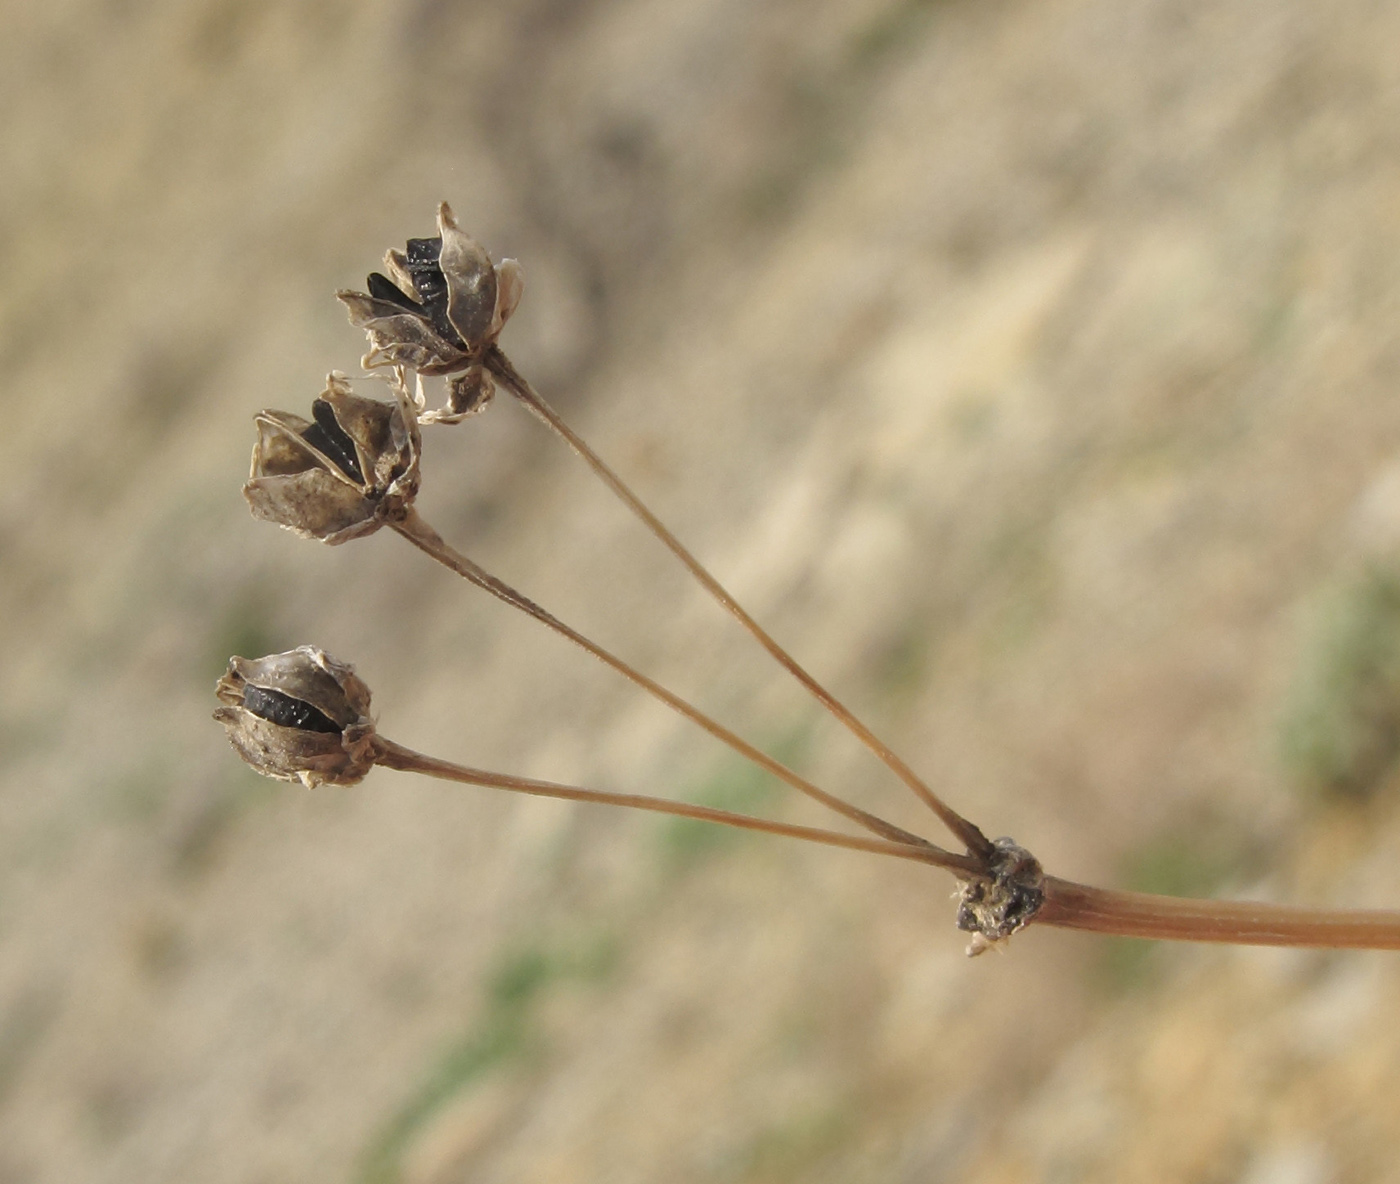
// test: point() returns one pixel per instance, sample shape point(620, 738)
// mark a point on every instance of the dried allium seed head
point(442, 305)
point(995, 908)
point(299, 716)
point(343, 473)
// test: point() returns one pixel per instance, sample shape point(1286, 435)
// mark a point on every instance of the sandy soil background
point(1029, 368)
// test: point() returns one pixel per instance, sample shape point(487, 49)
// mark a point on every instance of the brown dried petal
point(396, 264)
point(467, 394)
point(510, 287)
point(471, 281)
point(385, 434)
point(299, 716)
point(399, 337)
point(307, 674)
point(313, 504)
point(313, 758)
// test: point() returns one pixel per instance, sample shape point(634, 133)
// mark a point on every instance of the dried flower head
point(442, 305)
point(343, 473)
point(299, 716)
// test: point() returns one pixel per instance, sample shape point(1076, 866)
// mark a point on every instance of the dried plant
point(353, 468)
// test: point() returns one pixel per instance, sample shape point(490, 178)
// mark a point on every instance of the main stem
point(426, 539)
point(966, 832)
point(1168, 918)
point(395, 756)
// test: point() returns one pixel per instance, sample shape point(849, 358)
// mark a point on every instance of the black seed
point(423, 252)
point(431, 284)
point(277, 708)
point(382, 288)
point(331, 439)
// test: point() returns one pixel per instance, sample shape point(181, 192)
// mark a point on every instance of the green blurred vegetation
point(734, 785)
point(137, 793)
point(243, 628)
point(1340, 733)
point(218, 806)
point(505, 1034)
point(1193, 860)
point(790, 1150)
point(823, 104)
point(900, 665)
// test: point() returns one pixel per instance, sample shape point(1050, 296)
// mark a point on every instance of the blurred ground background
point(1029, 368)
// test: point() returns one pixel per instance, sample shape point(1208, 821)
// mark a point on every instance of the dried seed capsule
point(341, 474)
point(299, 716)
point(442, 305)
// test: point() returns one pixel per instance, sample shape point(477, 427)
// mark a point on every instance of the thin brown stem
point(426, 539)
point(395, 756)
point(966, 832)
point(1168, 918)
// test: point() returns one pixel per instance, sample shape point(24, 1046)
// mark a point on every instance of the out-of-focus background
point(1029, 368)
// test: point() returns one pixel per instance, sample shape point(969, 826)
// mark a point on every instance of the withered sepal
point(299, 716)
point(343, 473)
point(995, 906)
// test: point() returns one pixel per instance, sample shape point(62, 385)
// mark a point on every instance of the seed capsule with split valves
point(299, 716)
